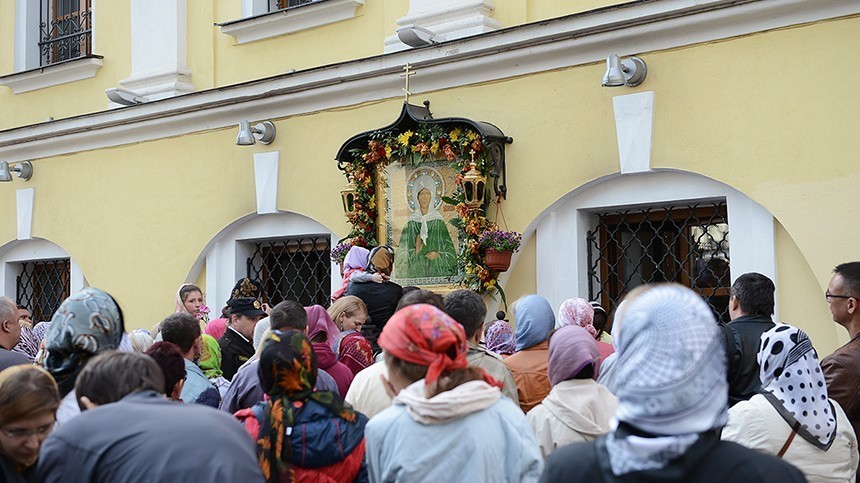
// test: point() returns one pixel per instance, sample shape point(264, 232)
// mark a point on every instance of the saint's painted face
point(424, 198)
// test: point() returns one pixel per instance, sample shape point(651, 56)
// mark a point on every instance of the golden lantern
point(348, 196)
point(474, 187)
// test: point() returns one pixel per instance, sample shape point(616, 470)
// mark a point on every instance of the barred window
point(43, 285)
point(685, 244)
point(65, 30)
point(295, 268)
point(276, 5)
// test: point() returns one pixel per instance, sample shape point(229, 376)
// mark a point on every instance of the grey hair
point(8, 309)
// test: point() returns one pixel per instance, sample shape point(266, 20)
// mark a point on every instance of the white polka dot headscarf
point(793, 382)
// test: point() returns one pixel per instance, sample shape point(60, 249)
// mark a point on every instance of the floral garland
point(461, 146)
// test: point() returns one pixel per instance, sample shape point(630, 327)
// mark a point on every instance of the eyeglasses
point(20, 434)
point(829, 295)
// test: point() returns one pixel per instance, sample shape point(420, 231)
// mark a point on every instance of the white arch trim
point(226, 253)
point(562, 257)
point(14, 253)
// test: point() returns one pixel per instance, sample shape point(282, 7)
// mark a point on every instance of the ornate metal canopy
point(411, 116)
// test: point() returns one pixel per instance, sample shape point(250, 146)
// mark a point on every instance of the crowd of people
point(393, 383)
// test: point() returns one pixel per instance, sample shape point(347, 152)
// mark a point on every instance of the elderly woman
point(302, 435)
point(500, 338)
point(86, 324)
point(323, 333)
point(577, 311)
point(449, 421)
point(535, 321)
point(28, 405)
point(577, 408)
point(672, 401)
point(792, 417)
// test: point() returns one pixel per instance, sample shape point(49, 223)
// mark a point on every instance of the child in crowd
point(355, 270)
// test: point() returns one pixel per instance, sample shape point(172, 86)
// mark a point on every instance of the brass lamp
point(474, 187)
point(348, 196)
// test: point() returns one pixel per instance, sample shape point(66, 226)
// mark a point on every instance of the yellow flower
point(403, 139)
point(387, 151)
point(470, 135)
point(455, 134)
point(434, 148)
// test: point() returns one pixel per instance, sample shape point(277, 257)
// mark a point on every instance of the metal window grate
point(42, 286)
point(65, 30)
point(296, 268)
point(686, 244)
point(275, 5)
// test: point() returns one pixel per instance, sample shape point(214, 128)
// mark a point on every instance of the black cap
point(247, 306)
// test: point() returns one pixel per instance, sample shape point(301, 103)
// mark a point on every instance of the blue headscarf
point(535, 321)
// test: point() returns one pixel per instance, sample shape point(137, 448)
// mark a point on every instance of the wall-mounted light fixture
point(628, 72)
point(124, 97)
point(415, 36)
point(24, 169)
point(263, 132)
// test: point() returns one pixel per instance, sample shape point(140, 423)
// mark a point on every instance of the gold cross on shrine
point(407, 73)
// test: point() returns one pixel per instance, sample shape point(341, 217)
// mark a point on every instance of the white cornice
point(290, 20)
point(53, 75)
point(630, 28)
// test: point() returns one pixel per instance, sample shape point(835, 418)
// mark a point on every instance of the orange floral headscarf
point(424, 335)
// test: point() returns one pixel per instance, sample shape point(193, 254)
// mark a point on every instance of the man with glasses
point(842, 368)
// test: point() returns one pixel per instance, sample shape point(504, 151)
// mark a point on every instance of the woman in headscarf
point(28, 405)
point(189, 298)
point(448, 421)
point(86, 324)
point(500, 338)
point(355, 271)
point(792, 417)
point(210, 364)
point(535, 322)
point(577, 408)
point(672, 402)
point(302, 435)
point(323, 333)
point(577, 311)
point(380, 298)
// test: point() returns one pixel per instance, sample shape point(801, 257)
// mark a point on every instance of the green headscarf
point(210, 359)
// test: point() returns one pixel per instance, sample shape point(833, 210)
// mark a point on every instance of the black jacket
point(235, 351)
point(381, 300)
point(743, 339)
point(708, 460)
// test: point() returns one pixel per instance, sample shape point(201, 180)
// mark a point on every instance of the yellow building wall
point(136, 217)
point(214, 58)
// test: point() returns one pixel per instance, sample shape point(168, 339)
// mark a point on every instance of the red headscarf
point(424, 335)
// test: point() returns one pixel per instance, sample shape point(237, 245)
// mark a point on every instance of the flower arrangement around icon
point(464, 149)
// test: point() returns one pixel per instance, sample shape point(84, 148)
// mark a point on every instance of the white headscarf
point(793, 382)
point(427, 182)
point(670, 377)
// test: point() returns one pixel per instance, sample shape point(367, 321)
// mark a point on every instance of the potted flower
point(338, 254)
point(499, 246)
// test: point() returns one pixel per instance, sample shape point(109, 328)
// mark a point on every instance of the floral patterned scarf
point(288, 373)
